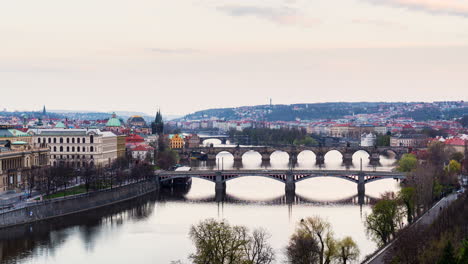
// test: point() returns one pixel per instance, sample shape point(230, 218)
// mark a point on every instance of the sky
point(182, 56)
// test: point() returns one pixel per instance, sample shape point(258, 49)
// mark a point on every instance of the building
point(142, 152)
point(176, 141)
point(136, 121)
point(77, 147)
point(17, 156)
point(368, 140)
point(193, 141)
point(114, 124)
point(121, 148)
point(409, 140)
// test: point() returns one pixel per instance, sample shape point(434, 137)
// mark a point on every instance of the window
point(91, 149)
point(44, 140)
point(78, 140)
point(68, 140)
point(55, 149)
point(39, 140)
point(73, 140)
point(49, 140)
point(55, 140)
point(61, 140)
point(91, 139)
point(61, 149)
point(84, 140)
point(73, 149)
point(84, 149)
point(68, 149)
point(77, 149)
point(91, 157)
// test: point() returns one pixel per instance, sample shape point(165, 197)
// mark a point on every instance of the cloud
point(448, 7)
point(379, 23)
point(281, 15)
point(173, 51)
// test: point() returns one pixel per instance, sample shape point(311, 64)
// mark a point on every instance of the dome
point(113, 121)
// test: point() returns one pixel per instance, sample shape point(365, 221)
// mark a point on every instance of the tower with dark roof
point(157, 127)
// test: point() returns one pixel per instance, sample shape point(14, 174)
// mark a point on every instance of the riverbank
point(37, 211)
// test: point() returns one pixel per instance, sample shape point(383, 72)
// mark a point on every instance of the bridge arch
point(209, 141)
point(361, 153)
point(280, 155)
point(343, 177)
point(277, 178)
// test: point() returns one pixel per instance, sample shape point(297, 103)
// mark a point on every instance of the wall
point(64, 206)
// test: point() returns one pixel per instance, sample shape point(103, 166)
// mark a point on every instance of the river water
point(154, 228)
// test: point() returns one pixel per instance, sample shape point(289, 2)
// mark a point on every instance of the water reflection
point(46, 238)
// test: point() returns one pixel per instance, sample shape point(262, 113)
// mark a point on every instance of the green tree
point(302, 249)
point(463, 255)
point(407, 163)
point(347, 250)
point(167, 159)
point(448, 255)
point(407, 196)
point(454, 167)
point(218, 242)
point(385, 219)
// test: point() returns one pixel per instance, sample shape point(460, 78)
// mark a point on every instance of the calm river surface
point(154, 229)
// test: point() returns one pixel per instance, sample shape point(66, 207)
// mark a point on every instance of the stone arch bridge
point(294, 151)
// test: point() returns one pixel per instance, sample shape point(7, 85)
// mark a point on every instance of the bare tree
point(257, 250)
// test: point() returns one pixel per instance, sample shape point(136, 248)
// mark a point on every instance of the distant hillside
point(292, 112)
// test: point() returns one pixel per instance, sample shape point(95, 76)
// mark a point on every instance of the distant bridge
point(288, 177)
point(294, 151)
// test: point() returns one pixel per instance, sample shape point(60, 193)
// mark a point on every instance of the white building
point(368, 140)
point(78, 147)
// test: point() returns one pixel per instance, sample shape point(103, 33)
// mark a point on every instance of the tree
point(257, 250)
point(407, 163)
point(167, 158)
point(453, 168)
point(448, 255)
point(407, 196)
point(347, 250)
point(320, 231)
point(385, 219)
point(302, 249)
point(220, 243)
point(458, 156)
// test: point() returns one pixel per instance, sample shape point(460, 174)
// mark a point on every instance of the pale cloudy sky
point(187, 55)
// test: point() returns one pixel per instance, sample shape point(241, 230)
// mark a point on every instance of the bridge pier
point(266, 157)
point(374, 158)
point(211, 157)
point(220, 185)
point(361, 187)
point(290, 187)
point(319, 158)
point(347, 158)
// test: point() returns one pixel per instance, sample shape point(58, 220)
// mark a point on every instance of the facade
point(142, 152)
point(176, 141)
point(17, 156)
point(121, 148)
point(408, 140)
point(77, 147)
point(368, 140)
point(193, 141)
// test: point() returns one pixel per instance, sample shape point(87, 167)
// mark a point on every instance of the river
point(154, 229)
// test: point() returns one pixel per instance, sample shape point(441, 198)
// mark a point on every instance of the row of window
point(72, 156)
point(78, 149)
point(68, 140)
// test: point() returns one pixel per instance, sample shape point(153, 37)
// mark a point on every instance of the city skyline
point(140, 56)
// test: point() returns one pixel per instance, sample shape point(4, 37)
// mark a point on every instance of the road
point(429, 217)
